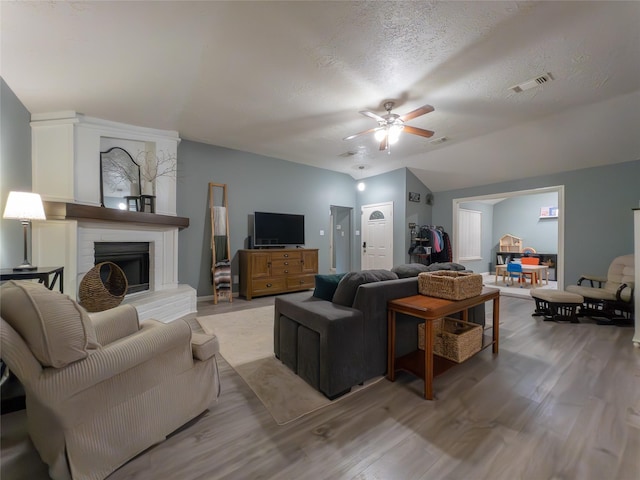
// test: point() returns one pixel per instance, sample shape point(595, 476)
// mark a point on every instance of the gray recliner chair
point(609, 298)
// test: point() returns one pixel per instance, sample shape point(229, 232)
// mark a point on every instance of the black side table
point(42, 274)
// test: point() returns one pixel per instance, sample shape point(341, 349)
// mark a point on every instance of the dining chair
point(527, 260)
point(514, 270)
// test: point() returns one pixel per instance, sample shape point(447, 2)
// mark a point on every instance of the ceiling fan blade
point(384, 143)
point(375, 116)
point(418, 131)
point(371, 130)
point(416, 113)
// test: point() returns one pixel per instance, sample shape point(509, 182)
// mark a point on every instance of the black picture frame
point(117, 162)
point(414, 197)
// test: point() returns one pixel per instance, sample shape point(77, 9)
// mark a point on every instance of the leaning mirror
point(119, 180)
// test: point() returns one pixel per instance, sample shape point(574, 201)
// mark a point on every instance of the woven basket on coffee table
point(103, 287)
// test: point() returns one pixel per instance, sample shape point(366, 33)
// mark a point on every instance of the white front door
point(377, 236)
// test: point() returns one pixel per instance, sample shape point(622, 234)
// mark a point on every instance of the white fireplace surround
point(65, 168)
point(165, 300)
point(162, 245)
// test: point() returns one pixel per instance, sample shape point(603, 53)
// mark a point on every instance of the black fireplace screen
point(131, 257)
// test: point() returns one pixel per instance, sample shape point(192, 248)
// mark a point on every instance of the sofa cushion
point(408, 270)
point(326, 285)
point(57, 330)
point(348, 286)
point(456, 267)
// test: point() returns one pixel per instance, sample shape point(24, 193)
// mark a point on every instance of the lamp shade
point(24, 206)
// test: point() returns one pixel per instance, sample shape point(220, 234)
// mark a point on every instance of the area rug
point(246, 343)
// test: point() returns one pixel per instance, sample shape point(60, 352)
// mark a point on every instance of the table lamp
point(24, 206)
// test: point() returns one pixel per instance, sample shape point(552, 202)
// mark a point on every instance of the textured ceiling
point(287, 79)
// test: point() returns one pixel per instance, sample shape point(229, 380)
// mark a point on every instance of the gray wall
point(520, 216)
point(342, 238)
point(254, 182)
point(598, 216)
point(15, 170)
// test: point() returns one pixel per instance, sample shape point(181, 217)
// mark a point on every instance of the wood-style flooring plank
point(560, 401)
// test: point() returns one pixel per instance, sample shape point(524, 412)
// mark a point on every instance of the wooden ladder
point(220, 246)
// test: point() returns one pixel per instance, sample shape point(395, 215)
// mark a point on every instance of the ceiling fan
point(391, 125)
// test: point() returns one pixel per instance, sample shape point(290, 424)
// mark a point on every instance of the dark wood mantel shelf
point(75, 211)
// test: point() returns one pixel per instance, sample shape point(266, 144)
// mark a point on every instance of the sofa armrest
point(151, 341)
point(115, 323)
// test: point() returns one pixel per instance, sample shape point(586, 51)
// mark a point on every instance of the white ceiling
point(287, 79)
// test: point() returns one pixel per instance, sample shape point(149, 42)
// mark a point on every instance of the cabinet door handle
point(286, 263)
point(286, 255)
point(269, 285)
point(286, 271)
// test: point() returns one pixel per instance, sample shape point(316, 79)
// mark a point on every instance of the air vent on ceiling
point(437, 141)
point(534, 82)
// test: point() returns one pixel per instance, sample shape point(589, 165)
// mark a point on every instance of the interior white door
point(377, 236)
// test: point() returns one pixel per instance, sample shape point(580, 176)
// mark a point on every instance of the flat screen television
point(277, 229)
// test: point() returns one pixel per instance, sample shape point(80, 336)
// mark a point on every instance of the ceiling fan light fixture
point(380, 134)
point(394, 134)
point(391, 125)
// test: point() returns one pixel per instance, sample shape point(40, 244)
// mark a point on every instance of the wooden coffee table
point(421, 362)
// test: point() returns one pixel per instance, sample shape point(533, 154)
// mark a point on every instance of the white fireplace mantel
point(66, 171)
point(66, 150)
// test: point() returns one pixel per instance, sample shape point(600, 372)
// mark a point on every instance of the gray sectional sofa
point(335, 341)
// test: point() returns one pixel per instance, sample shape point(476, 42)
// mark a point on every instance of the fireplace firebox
point(131, 257)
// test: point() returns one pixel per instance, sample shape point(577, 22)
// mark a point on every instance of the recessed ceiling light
point(361, 166)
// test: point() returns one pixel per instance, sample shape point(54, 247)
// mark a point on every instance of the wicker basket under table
point(453, 339)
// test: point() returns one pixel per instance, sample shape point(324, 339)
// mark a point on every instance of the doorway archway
point(559, 189)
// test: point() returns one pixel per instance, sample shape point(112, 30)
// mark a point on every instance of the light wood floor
point(560, 401)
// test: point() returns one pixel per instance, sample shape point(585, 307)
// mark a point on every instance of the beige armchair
point(609, 297)
point(101, 388)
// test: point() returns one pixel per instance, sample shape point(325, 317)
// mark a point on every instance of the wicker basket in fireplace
point(103, 287)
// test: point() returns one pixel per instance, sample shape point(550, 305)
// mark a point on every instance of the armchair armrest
point(204, 346)
point(621, 289)
point(153, 339)
point(115, 323)
point(593, 278)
